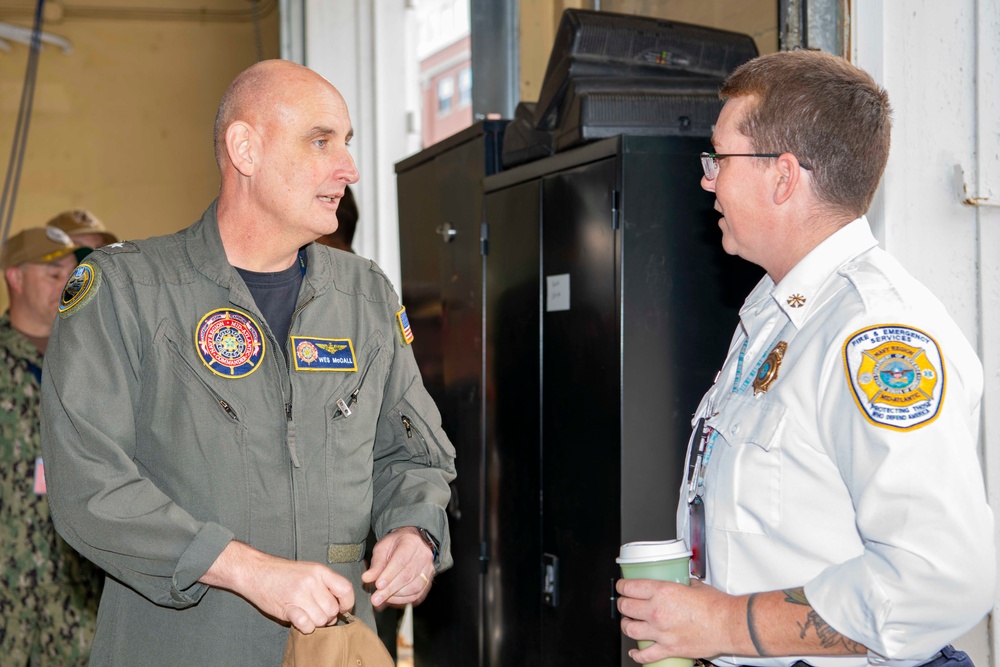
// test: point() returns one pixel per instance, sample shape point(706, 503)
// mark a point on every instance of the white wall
point(369, 57)
point(940, 62)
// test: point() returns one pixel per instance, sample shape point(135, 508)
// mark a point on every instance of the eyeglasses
point(710, 161)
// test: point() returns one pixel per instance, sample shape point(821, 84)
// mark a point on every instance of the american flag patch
point(404, 326)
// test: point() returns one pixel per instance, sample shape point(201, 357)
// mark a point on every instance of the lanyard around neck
point(706, 439)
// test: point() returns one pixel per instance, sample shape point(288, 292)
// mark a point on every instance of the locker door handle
point(446, 231)
point(550, 586)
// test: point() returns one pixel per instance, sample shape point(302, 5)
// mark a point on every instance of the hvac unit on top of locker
point(611, 74)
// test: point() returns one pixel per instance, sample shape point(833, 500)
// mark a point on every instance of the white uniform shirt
point(855, 474)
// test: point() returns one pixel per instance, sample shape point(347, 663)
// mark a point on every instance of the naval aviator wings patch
point(896, 374)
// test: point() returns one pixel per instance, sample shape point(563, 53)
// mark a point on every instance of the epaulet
point(377, 270)
point(872, 283)
point(119, 247)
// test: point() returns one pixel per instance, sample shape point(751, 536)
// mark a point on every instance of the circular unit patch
point(896, 374)
point(230, 343)
point(81, 286)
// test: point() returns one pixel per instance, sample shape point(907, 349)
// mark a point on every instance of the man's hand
point(307, 595)
point(402, 568)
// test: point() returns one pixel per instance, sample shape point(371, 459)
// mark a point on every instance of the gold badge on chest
point(768, 371)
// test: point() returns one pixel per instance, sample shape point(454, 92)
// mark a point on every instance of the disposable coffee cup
point(669, 560)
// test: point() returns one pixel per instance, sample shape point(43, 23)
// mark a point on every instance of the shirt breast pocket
point(745, 485)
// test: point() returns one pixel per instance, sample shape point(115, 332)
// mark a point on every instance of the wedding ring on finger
point(424, 577)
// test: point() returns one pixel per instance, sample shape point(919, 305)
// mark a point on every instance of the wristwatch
point(431, 542)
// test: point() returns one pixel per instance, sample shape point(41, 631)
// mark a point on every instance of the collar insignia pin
point(796, 301)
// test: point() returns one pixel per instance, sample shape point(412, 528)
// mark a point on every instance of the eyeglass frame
point(710, 162)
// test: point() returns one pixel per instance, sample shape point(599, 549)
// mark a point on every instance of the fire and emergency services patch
point(324, 354)
point(897, 375)
point(80, 288)
point(404, 326)
point(230, 343)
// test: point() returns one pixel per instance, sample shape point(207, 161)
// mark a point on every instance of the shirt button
point(734, 429)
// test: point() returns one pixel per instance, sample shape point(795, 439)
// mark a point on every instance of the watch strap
point(431, 542)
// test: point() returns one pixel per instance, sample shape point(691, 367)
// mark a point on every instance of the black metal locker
point(440, 213)
point(607, 305)
point(637, 301)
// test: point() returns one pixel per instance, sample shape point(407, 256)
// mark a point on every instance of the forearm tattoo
point(751, 626)
point(827, 636)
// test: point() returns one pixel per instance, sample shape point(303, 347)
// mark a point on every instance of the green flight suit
point(158, 453)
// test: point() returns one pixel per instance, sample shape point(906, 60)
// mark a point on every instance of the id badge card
point(39, 477)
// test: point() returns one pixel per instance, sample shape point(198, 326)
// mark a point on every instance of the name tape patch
point(897, 375)
point(324, 354)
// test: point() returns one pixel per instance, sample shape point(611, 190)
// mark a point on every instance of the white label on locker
point(557, 292)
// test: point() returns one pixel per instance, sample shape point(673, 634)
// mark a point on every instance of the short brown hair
point(830, 114)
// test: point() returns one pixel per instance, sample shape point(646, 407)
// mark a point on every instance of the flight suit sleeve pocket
point(417, 424)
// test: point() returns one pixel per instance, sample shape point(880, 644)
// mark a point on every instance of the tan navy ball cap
point(81, 221)
point(349, 643)
point(38, 245)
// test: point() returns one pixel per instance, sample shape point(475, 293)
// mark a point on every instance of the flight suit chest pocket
point(354, 404)
point(191, 431)
point(744, 472)
point(187, 381)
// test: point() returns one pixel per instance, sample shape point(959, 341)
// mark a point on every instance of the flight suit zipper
point(344, 407)
point(290, 424)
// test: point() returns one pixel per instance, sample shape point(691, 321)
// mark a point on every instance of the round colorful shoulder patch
point(230, 343)
point(897, 375)
point(80, 288)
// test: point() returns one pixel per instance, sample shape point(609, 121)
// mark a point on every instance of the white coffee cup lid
point(647, 552)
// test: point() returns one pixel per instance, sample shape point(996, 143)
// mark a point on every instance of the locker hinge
point(615, 203)
point(484, 239)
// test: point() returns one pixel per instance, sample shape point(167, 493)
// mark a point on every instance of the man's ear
point(15, 278)
point(789, 178)
point(241, 147)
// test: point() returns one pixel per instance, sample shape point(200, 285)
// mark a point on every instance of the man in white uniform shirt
point(834, 503)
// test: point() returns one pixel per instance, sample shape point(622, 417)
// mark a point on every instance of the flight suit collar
point(208, 255)
point(204, 246)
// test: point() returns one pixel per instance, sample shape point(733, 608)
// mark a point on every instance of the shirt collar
point(798, 291)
